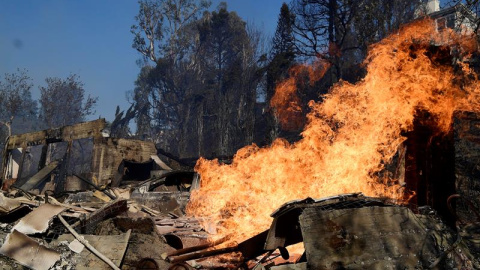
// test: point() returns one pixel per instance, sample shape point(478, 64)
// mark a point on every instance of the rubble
point(38, 220)
point(116, 196)
point(88, 201)
point(9, 205)
point(111, 246)
point(28, 252)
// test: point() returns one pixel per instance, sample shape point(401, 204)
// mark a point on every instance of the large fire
point(349, 137)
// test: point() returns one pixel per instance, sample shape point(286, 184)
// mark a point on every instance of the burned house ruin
point(75, 152)
point(72, 193)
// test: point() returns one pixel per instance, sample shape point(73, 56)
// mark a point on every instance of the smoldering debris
point(128, 204)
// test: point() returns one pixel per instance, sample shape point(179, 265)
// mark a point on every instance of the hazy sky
point(91, 38)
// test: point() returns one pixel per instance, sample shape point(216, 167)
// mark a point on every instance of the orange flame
point(286, 102)
point(349, 136)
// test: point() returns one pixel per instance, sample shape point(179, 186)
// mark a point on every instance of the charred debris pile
point(117, 194)
point(74, 199)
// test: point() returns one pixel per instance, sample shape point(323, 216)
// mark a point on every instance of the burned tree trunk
point(430, 165)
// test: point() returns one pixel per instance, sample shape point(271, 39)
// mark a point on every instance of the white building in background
point(432, 6)
point(457, 17)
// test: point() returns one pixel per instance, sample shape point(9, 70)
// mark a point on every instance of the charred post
point(429, 165)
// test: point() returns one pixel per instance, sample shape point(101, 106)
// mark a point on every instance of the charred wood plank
point(249, 248)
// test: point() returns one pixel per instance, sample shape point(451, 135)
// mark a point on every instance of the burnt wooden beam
point(66, 133)
point(430, 165)
point(195, 248)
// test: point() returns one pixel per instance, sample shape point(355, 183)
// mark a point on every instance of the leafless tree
point(16, 98)
point(63, 101)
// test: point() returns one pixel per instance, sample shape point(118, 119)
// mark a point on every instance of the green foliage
point(284, 41)
point(149, 28)
point(198, 98)
point(283, 50)
point(159, 27)
point(223, 39)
